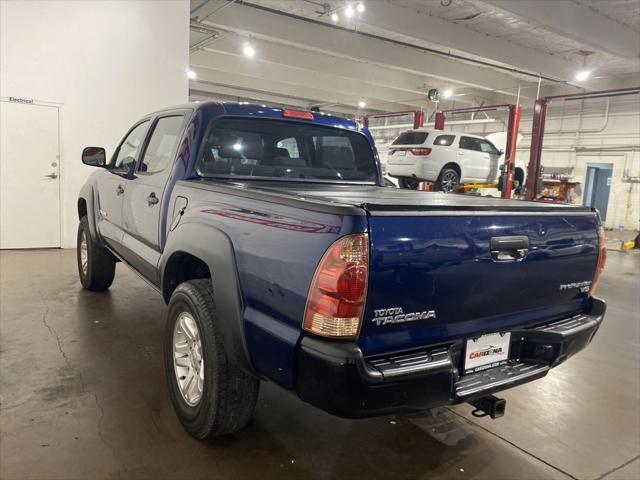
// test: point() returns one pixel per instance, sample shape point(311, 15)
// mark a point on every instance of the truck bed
point(377, 200)
point(432, 252)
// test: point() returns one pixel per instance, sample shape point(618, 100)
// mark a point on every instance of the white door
point(471, 160)
point(29, 176)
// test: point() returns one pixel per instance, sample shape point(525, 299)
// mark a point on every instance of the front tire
point(448, 180)
point(211, 395)
point(96, 265)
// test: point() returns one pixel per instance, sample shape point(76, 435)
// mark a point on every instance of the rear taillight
point(416, 151)
point(336, 299)
point(602, 258)
point(420, 151)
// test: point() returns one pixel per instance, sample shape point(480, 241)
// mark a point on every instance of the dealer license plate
point(487, 351)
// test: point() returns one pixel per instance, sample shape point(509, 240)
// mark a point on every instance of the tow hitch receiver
point(489, 405)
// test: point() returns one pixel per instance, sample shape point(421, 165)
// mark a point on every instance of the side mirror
point(94, 156)
point(500, 152)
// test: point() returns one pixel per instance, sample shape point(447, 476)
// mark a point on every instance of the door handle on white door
point(119, 190)
point(51, 175)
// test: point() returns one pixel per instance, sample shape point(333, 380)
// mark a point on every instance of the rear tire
point(409, 183)
point(448, 180)
point(96, 265)
point(225, 396)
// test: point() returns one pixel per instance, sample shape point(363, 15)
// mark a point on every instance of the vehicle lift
point(534, 170)
point(513, 125)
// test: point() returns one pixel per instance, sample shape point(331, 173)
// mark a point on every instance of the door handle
point(51, 175)
point(119, 190)
point(152, 199)
point(509, 249)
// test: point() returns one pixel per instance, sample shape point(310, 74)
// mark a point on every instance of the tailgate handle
point(509, 249)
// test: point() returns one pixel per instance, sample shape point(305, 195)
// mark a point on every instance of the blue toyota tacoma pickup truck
point(283, 257)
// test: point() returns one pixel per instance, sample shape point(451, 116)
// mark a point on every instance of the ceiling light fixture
point(348, 11)
point(191, 75)
point(582, 75)
point(248, 51)
point(447, 94)
point(334, 17)
point(360, 7)
point(362, 104)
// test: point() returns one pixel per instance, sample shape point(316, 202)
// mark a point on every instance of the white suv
point(447, 159)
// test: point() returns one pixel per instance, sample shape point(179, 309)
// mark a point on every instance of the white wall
point(612, 138)
point(576, 134)
point(105, 63)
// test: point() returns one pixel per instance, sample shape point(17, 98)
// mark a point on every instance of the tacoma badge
point(383, 316)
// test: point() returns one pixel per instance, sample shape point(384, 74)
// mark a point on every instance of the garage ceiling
point(389, 55)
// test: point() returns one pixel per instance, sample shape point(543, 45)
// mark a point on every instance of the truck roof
point(265, 111)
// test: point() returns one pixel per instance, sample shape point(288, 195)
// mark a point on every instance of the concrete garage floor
point(83, 396)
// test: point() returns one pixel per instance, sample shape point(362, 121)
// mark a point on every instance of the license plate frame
point(486, 351)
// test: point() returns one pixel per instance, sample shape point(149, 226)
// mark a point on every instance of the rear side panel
point(277, 245)
point(442, 264)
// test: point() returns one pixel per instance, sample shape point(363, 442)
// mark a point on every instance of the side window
point(129, 149)
point(444, 140)
point(487, 147)
point(469, 143)
point(163, 144)
point(290, 145)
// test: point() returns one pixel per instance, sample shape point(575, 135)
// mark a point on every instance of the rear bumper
point(335, 377)
point(421, 169)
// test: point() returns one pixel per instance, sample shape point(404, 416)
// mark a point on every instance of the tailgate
point(402, 155)
point(440, 271)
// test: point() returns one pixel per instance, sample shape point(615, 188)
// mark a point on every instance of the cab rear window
point(274, 149)
point(411, 138)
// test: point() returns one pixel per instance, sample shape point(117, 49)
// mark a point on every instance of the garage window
point(272, 149)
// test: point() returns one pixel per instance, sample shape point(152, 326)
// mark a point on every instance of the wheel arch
point(86, 207)
point(453, 166)
point(194, 250)
point(181, 267)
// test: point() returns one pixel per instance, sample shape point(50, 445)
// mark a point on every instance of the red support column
point(515, 112)
point(440, 119)
point(537, 135)
point(418, 119)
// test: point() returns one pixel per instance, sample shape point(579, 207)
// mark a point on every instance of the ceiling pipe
point(199, 6)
